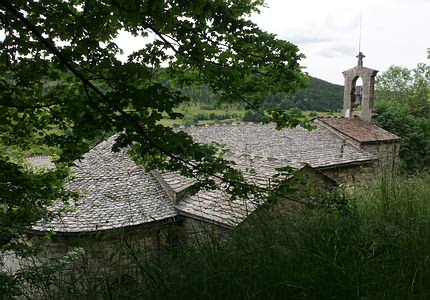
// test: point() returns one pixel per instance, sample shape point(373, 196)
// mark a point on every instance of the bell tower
point(358, 101)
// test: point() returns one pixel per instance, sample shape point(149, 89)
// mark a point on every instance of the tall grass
point(377, 247)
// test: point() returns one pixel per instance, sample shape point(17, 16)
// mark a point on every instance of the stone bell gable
point(356, 125)
point(354, 96)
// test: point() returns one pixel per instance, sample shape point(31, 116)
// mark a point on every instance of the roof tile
point(359, 130)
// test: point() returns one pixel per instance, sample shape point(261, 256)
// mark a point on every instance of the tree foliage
point(403, 106)
point(62, 85)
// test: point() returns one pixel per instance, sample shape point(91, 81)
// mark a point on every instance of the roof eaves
point(207, 220)
point(364, 142)
point(168, 220)
point(347, 164)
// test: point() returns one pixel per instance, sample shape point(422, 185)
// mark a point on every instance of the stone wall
point(388, 155)
point(109, 249)
point(150, 240)
point(386, 165)
point(194, 231)
point(350, 174)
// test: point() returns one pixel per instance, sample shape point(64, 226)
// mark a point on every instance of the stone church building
point(118, 195)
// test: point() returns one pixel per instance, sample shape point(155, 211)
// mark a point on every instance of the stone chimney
point(351, 97)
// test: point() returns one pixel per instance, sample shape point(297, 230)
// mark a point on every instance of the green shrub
point(190, 120)
point(202, 116)
point(403, 107)
point(252, 116)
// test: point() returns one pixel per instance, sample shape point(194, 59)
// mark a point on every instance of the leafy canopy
point(63, 86)
point(403, 106)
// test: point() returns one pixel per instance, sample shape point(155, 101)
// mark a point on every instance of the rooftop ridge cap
point(83, 156)
point(216, 124)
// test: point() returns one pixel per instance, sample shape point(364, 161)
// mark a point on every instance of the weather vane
point(359, 38)
point(360, 55)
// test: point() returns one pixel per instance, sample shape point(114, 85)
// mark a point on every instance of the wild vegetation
point(403, 107)
point(372, 244)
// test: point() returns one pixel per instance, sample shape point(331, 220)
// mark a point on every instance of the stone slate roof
point(258, 150)
point(256, 169)
point(359, 130)
point(318, 148)
point(217, 207)
point(177, 182)
point(117, 193)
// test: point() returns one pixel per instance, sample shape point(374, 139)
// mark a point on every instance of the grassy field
point(197, 114)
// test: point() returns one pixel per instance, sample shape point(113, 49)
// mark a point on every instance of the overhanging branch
point(89, 86)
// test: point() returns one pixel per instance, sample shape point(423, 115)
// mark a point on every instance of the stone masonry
point(349, 99)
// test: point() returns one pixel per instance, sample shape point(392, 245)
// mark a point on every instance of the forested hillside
point(319, 95)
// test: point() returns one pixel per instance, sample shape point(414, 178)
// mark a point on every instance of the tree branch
point(161, 36)
point(88, 85)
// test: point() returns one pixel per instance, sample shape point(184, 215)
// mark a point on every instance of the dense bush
point(253, 116)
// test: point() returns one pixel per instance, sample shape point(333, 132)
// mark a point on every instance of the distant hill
point(320, 95)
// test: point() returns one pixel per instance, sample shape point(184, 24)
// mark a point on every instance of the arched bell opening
point(356, 95)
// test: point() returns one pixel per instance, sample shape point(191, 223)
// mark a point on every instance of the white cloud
point(394, 32)
point(327, 32)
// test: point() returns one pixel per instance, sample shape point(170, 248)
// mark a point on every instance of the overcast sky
point(394, 32)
